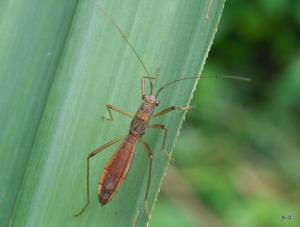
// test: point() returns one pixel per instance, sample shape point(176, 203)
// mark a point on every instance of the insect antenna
point(197, 77)
point(114, 23)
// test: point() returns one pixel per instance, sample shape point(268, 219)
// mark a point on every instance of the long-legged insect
point(116, 170)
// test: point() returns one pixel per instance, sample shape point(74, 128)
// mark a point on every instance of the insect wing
point(115, 172)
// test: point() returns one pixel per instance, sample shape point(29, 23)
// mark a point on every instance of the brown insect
point(117, 168)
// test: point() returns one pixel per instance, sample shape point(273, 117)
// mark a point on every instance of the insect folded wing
point(115, 172)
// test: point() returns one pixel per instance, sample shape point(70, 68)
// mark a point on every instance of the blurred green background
point(237, 161)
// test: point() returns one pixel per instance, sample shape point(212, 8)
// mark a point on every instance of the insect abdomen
point(115, 172)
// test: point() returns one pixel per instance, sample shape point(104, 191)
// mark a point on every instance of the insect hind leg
point(90, 155)
point(150, 155)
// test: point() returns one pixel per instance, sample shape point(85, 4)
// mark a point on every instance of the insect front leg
point(111, 107)
point(90, 155)
point(150, 80)
point(171, 108)
point(150, 155)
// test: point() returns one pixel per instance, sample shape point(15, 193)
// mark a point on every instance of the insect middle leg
point(163, 127)
point(150, 155)
point(111, 107)
point(210, 4)
point(171, 108)
point(90, 155)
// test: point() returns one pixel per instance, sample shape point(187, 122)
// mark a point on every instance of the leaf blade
point(96, 68)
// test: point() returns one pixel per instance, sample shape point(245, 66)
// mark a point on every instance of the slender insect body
point(116, 170)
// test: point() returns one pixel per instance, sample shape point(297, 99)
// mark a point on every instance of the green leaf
point(32, 39)
point(61, 62)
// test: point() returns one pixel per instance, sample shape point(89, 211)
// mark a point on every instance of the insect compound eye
point(156, 103)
